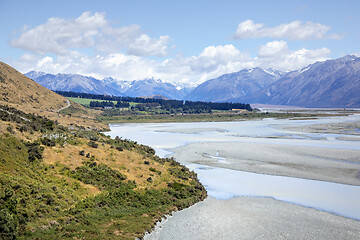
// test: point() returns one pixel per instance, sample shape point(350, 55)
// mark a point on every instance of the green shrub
point(99, 175)
point(48, 142)
point(8, 225)
point(93, 144)
point(35, 151)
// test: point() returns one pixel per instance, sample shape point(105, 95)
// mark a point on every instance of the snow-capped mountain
point(151, 86)
point(234, 85)
point(332, 83)
point(120, 85)
point(35, 74)
point(72, 82)
point(109, 85)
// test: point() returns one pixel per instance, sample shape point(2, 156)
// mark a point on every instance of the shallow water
point(325, 196)
point(162, 136)
point(223, 183)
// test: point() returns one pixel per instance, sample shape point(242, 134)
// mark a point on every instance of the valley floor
point(331, 156)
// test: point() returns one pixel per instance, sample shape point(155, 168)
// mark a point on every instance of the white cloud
point(59, 35)
point(212, 62)
point(62, 36)
point(273, 48)
point(133, 40)
point(123, 52)
point(276, 54)
point(295, 30)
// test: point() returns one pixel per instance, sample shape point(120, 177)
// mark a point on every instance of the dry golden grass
point(129, 163)
point(22, 93)
point(15, 132)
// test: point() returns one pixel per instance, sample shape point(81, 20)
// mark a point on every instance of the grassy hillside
point(62, 184)
point(20, 92)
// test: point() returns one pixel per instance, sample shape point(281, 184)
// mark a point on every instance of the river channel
point(260, 158)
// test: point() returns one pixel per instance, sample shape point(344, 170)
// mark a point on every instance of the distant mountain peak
point(234, 85)
point(330, 83)
point(274, 72)
point(34, 74)
point(109, 85)
point(348, 58)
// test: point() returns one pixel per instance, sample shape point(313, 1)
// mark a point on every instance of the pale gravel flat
point(254, 218)
point(348, 128)
point(324, 164)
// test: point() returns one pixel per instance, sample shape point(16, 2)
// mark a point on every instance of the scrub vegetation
point(57, 183)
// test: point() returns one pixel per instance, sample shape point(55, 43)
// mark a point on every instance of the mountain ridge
point(331, 83)
point(109, 85)
point(233, 85)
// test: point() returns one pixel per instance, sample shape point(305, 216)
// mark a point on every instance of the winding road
point(69, 104)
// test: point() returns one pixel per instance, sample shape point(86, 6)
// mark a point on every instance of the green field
point(86, 101)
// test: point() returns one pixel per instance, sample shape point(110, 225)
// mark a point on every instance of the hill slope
point(25, 94)
point(71, 183)
point(18, 89)
point(81, 184)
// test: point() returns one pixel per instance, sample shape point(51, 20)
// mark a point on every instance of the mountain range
point(331, 83)
point(109, 85)
point(234, 85)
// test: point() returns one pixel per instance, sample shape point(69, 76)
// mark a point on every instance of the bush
point(93, 144)
point(10, 129)
point(35, 151)
point(8, 225)
point(48, 142)
point(99, 175)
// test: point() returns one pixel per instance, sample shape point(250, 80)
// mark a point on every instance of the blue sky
point(186, 41)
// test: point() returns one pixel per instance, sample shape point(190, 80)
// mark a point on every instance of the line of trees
point(111, 104)
point(166, 104)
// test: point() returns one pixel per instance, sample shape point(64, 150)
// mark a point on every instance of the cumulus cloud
point(272, 49)
point(59, 35)
point(211, 62)
point(123, 52)
point(133, 40)
point(276, 54)
point(63, 36)
point(295, 30)
point(119, 65)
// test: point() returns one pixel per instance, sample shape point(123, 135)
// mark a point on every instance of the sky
point(176, 41)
